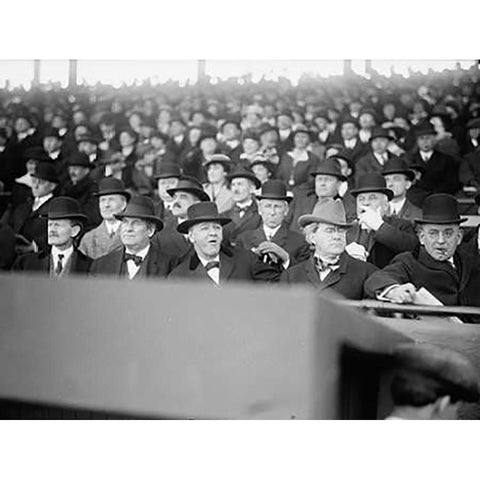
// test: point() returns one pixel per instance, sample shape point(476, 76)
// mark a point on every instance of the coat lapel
point(281, 237)
point(312, 274)
point(227, 266)
point(335, 275)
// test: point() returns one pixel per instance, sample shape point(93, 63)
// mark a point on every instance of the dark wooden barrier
point(146, 349)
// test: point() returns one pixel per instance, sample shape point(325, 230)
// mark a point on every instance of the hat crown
point(274, 188)
point(188, 183)
point(79, 159)
point(167, 170)
point(109, 184)
point(202, 210)
point(63, 207)
point(329, 166)
point(139, 207)
point(440, 207)
point(373, 181)
point(332, 211)
point(46, 171)
point(378, 131)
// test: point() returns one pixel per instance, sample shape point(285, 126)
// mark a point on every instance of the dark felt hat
point(46, 171)
point(424, 128)
point(168, 170)
point(372, 182)
point(441, 209)
point(379, 132)
point(51, 132)
point(64, 207)
point(474, 123)
point(221, 159)
point(143, 208)
point(327, 211)
point(89, 139)
point(79, 159)
point(202, 212)
point(36, 153)
point(398, 165)
point(190, 185)
point(329, 166)
point(274, 190)
point(250, 134)
point(242, 172)
point(350, 119)
point(112, 186)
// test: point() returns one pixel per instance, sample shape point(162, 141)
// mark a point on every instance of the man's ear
point(408, 184)
point(76, 229)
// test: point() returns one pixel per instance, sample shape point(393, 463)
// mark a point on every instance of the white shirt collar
point(426, 155)
point(142, 253)
point(54, 155)
point(381, 158)
point(55, 252)
point(112, 225)
point(397, 206)
point(213, 273)
point(39, 201)
point(270, 232)
point(2, 148)
point(350, 143)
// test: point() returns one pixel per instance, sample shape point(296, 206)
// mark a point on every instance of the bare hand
point(371, 218)
point(272, 248)
point(357, 251)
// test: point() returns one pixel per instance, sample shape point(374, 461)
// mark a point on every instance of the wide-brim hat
point(330, 166)
point(244, 173)
point(440, 209)
point(51, 132)
point(200, 213)
point(46, 171)
point(167, 170)
point(112, 186)
point(60, 208)
point(190, 185)
point(36, 153)
point(274, 190)
point(379, 132)
point(398, 165)
point(326, 211)
point(79, 159)
point(372, 182)
point(143, 208)
point(221, 159)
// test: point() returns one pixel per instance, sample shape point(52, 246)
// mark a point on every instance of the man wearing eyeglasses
point(438, 265)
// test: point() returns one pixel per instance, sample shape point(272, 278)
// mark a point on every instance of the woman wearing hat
point(217, 188)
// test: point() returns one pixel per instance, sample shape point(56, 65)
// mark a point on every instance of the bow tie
point(323, 266)
point(136, 258)
point(242, 209)
point(211, 265)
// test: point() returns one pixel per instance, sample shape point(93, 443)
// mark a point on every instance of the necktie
point(324, 266)
point(241, 211)
point(211, 265)
point(136, 258)
point(59, 267)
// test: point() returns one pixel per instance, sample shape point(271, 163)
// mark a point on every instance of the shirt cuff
point(385, 291)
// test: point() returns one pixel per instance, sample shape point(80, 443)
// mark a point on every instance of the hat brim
point(150, 218)
point(274, 197)
point(436, 221)
point(388, 137)
point(65, 216)
point(226, 164)
point(48, 179)
point(342, 178)
point(252, 178)
point(113, 192)
point(90, 165)
point(385, 191)
point(305, 220)
point(203, 196)
point(408, 173)
point(167, 175)
point(185, 226)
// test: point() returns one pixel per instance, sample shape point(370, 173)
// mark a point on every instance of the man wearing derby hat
point(399, 179)
point(469, 170)
point(167, 175)
point(441, 171)
point(472, 140)
point(217, 169)
point(377, 236)
point(330, 267)
point(350, 140)
point(137, 257)
point(61, 258)
point(431, 383)
point(273, 241)
point(437, 264)
point(88, 144)
point(82, 188)
point(209, 260)
point(112, 200)
point(374, 161)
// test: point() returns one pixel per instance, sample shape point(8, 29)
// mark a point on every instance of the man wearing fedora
point(112, 199)
point(244, 213)
point(217, 169)
point(441, 171)
point(330, 267)
point(61, 258)
point(374, 161)
point(167, 175)
point(377, 236)
point(137, 257)
point(82, 188)
point(399, 179)
point(209, 260)
point(187, 192)
point(350, 140)
point(273, 241)
point(437, 264)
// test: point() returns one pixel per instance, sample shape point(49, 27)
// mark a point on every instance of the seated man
point(330, 267)
point(137, 257)
point(61, 258)
point(209, 261)
point(273, 239)
point(377, 237)
point(112, 199)
point(167, 176)
point(431, 383)
point(437, 264)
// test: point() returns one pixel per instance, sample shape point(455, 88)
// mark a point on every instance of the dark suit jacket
point(172, 242)
point(156, 264)
point(250, 220)
point(409, 211)
point(394, 236)
point(40, 262)
point(369, 164)
point(7, 246)
point(347, 280)
point(301, 171)
point(357, 152)
point(294, 243)
point(469, 171)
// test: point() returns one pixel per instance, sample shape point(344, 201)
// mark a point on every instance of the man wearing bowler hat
point(273, 241)
point(208, 260)
point(138, 257)
point(399, 179)
point(350, 140)
point(437, 264)
point(112, 199)
point(167, 176)
point(330, 268)
point(376, 236)
point(61, 258)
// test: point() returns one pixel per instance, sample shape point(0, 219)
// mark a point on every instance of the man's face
point(165, 184)
point(176, 128)
point(284, 122)
point(206, 238)
point(216, 173)
point(327, 239)
point(21, 125)
point(379, 145)
point(79, 117)
point(321, 123)
point(398, 183)
point(440, 241)
point(58, 122)
point(273, 212)
point(374, 200)
point(301, 140)
point(261, 172)
point(349, 131)
point(87, 147)
point(426, 142)
point(230, 131)
point(250, 146)
point(61, 232)
point(181, 202)
point(242, 189)
point(77, 173)
point(208, 146)
point(366, 120)
point(110, 205)
point(135, 233)
point(108, 130)
point(42, 187)
point(80, 131)
point(389, 110)
point(474, 132)
point(51, 144)
point(326, 186)
point(126, 140)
